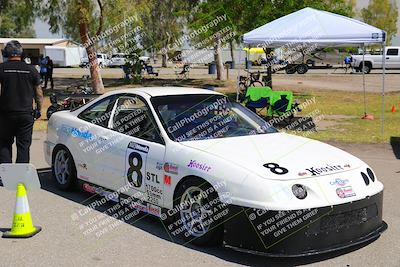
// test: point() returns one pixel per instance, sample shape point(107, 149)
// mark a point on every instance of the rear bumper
point(304, 232)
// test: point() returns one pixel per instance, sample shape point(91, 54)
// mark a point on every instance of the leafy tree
point(78, 18)
point(163, 24)
point(133, 66)
point(212, 25)
point(127, 16)
point(97, 24)
point(382, 14)
point(16, 18)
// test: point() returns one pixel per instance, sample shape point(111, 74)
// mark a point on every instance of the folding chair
point(281, 103)
point(258, 98)
point(150, 70)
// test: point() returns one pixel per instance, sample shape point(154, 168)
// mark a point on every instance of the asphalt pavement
point(75, 235)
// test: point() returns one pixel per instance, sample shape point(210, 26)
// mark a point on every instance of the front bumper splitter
point(304, 232)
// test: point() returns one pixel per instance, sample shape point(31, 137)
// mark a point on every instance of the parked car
point(145, 59)
point(102, 60)
point(118, 60)
point(215, 173)
point(392, 57)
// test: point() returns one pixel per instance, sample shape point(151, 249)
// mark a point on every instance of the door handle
point(387, 58)
point(103, 138)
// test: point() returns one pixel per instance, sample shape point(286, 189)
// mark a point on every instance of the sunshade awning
point(316, 27)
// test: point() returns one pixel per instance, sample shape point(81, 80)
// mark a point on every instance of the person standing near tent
point(43, 69)
point(49, 73)
point(348, 61)
point(20, 85)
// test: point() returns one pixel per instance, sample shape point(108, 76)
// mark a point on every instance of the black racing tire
point(290, 69)
point(302, 69)
point(50, 111)
point(367, 67)
point(257, 84)
point(64, 169)
point(194, 220)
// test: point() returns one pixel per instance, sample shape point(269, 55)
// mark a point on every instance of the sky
point(42, 28)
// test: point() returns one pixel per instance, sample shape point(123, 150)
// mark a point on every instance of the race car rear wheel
point(63, 168)
point(198, 204)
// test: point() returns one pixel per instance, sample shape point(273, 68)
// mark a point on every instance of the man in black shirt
point(49, 73)
point(20, 84)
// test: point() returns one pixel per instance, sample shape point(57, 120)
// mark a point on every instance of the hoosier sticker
point(326, 169)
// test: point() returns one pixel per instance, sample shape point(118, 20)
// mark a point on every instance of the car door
point(392, 58)
point(90, 137)
point(132, 159)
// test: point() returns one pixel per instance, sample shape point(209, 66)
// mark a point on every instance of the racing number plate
point(135, 162)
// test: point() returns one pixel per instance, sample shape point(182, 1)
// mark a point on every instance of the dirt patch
point(333, 121)
point(342, 82)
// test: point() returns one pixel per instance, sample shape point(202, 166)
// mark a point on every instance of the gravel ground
point(314, 79)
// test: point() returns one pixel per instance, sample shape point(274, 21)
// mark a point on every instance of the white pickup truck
point(392, 55)
point(102, 60)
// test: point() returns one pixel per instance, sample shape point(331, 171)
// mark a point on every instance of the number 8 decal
point(275, 168)
point(135, 168)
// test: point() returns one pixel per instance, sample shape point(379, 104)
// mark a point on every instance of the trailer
point(65, 56)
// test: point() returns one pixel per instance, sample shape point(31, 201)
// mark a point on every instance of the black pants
point(42, 76)
point(49, 76)
point(18, 126)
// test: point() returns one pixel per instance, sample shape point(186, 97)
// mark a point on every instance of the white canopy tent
point(319, 28)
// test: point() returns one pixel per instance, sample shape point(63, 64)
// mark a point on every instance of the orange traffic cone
point(393, 109)
point(22, 226)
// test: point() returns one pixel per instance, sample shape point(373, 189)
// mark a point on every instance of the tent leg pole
point(238, 75)
point(383, 87)
point(365, 102)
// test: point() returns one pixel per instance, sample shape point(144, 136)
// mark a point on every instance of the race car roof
point(164, 91)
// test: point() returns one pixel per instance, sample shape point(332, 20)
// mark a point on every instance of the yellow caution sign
point(22, 226)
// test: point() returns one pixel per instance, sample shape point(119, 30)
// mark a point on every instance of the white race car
point(214, 172)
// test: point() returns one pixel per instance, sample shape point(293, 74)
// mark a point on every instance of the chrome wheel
point(195, 211)
point(61, 167)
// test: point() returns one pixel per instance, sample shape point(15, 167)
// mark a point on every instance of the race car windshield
point(200, 117)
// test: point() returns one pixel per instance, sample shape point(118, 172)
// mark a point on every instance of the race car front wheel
point(198, 219)
point(63, 168)
point(50, 111)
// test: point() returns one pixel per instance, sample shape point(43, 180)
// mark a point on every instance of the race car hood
point(279, 156)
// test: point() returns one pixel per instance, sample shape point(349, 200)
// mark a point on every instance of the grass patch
point(343, 112)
